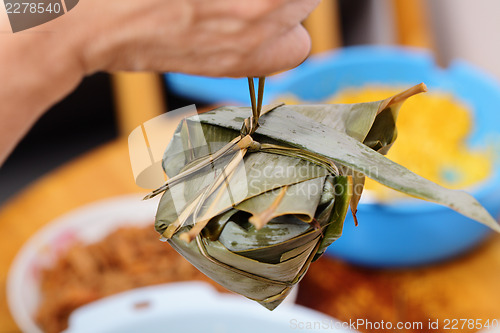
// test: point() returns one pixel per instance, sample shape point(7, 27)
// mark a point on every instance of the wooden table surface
point(466, 288)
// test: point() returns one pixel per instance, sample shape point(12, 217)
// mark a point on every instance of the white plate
point(193, 307)
point(87, 224)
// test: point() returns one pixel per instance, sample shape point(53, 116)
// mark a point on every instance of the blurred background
point(77, 154)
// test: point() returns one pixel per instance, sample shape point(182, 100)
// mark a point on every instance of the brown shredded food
point(128, 258)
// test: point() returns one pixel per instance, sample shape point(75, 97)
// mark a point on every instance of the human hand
point(215, 38)
point(204, 37)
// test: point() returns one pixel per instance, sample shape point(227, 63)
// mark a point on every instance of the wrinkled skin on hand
point(216, 37)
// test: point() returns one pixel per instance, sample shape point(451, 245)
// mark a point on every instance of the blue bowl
point(389, 235)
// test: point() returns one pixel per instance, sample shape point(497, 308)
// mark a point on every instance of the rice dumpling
point(252, 201)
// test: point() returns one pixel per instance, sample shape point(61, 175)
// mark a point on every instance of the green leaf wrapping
point(272, 215)
point(279, 253)
point(291, 128)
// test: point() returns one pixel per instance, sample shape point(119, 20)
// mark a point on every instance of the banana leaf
point(252, 212)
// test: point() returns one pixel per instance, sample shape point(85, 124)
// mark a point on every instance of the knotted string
point(242, 143)
point(251, 124)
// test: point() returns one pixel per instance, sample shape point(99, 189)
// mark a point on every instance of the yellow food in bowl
point(432, 133)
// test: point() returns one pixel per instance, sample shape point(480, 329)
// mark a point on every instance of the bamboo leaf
point(333, 231)
point(261, 172)
point(370, 123)
point(291, 128)
point(245, 284)
point(331, 147)
point(285, 271)
point(298, 199)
